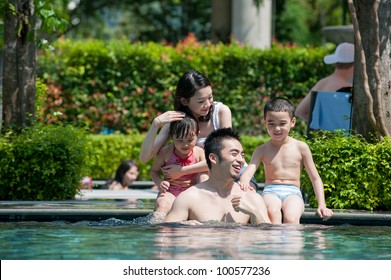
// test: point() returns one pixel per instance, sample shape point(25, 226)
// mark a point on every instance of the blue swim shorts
point(282, 191)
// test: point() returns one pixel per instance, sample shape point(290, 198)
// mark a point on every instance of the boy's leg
point(293, 209)
point(164, 202)
point(273, 205)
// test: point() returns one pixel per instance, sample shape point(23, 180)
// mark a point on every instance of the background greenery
point(356, 174)
point(119, 86)
point(43, 162)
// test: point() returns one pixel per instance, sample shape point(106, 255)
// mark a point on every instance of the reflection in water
point(229, 242)
point(147, 238)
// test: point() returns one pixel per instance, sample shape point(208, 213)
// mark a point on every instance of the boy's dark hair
point(214, 142)
point(187, 127)
point(279, 104)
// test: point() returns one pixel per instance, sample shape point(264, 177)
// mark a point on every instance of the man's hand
point(241, 205)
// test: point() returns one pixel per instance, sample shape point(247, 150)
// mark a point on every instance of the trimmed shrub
point(122, 86)
point(110, 150)
point(356, 174)
point(42, 163)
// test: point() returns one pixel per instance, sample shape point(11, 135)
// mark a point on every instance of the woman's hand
point(168, 117)
point(172, 171)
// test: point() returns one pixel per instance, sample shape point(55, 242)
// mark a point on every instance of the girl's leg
point(293, 209)
point(273, 204)
point(164, 202)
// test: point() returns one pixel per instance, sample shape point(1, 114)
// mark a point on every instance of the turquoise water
point(134, 240)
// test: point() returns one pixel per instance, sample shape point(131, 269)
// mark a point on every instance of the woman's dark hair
point(187, 127)
point(188, 84)
point(123, 168)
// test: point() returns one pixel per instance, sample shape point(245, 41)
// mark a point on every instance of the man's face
point(232, 158)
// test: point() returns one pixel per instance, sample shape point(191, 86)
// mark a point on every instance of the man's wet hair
point(214, 142)
point(279, 104)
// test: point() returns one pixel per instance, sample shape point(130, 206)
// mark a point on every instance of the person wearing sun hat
point(339, 80)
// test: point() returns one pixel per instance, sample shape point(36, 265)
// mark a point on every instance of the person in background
point(340, 80)
point(126, 174)
point(184, 152)
point(283, 158)
point(220, 198)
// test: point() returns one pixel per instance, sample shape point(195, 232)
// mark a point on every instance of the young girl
point(193, 97)
point(183, 152)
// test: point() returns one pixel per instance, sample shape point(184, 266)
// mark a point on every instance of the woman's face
point(199, 104)
point(130, 176)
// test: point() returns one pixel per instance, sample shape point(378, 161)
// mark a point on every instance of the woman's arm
point(152, 144)
point(174, 171)
point(225, 116)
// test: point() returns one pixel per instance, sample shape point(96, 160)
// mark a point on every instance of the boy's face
point(279, 124)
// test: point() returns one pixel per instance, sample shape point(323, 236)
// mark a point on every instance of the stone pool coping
point(102, 205)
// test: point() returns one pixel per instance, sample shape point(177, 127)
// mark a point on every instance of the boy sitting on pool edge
point(283, 158)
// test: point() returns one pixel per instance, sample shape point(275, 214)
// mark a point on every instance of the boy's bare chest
point(283, 157)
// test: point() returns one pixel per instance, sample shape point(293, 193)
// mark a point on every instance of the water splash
point(150, 219)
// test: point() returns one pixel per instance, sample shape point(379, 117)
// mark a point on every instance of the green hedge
point(42, 163)
point(355, 173)
point(48, 162)
point(123, 86)
point(110, 150)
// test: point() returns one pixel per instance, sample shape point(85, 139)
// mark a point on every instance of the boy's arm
point(316, 181)
point(251, 168)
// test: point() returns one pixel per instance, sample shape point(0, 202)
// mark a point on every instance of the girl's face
point(184, 146)
point(279, 124)
point(130, 176)
point(200, 103)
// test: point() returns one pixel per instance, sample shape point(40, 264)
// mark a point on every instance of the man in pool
point(220, 198)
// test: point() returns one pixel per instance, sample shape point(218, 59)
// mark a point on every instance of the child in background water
point(125, 175)
point(182, 151)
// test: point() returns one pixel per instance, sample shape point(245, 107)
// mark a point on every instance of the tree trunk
point(221, 21)
point(19, 59)
point(372, 75)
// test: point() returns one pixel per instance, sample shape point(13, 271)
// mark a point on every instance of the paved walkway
point(99, 205)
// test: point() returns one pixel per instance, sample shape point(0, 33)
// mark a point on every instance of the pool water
point(115, 239)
